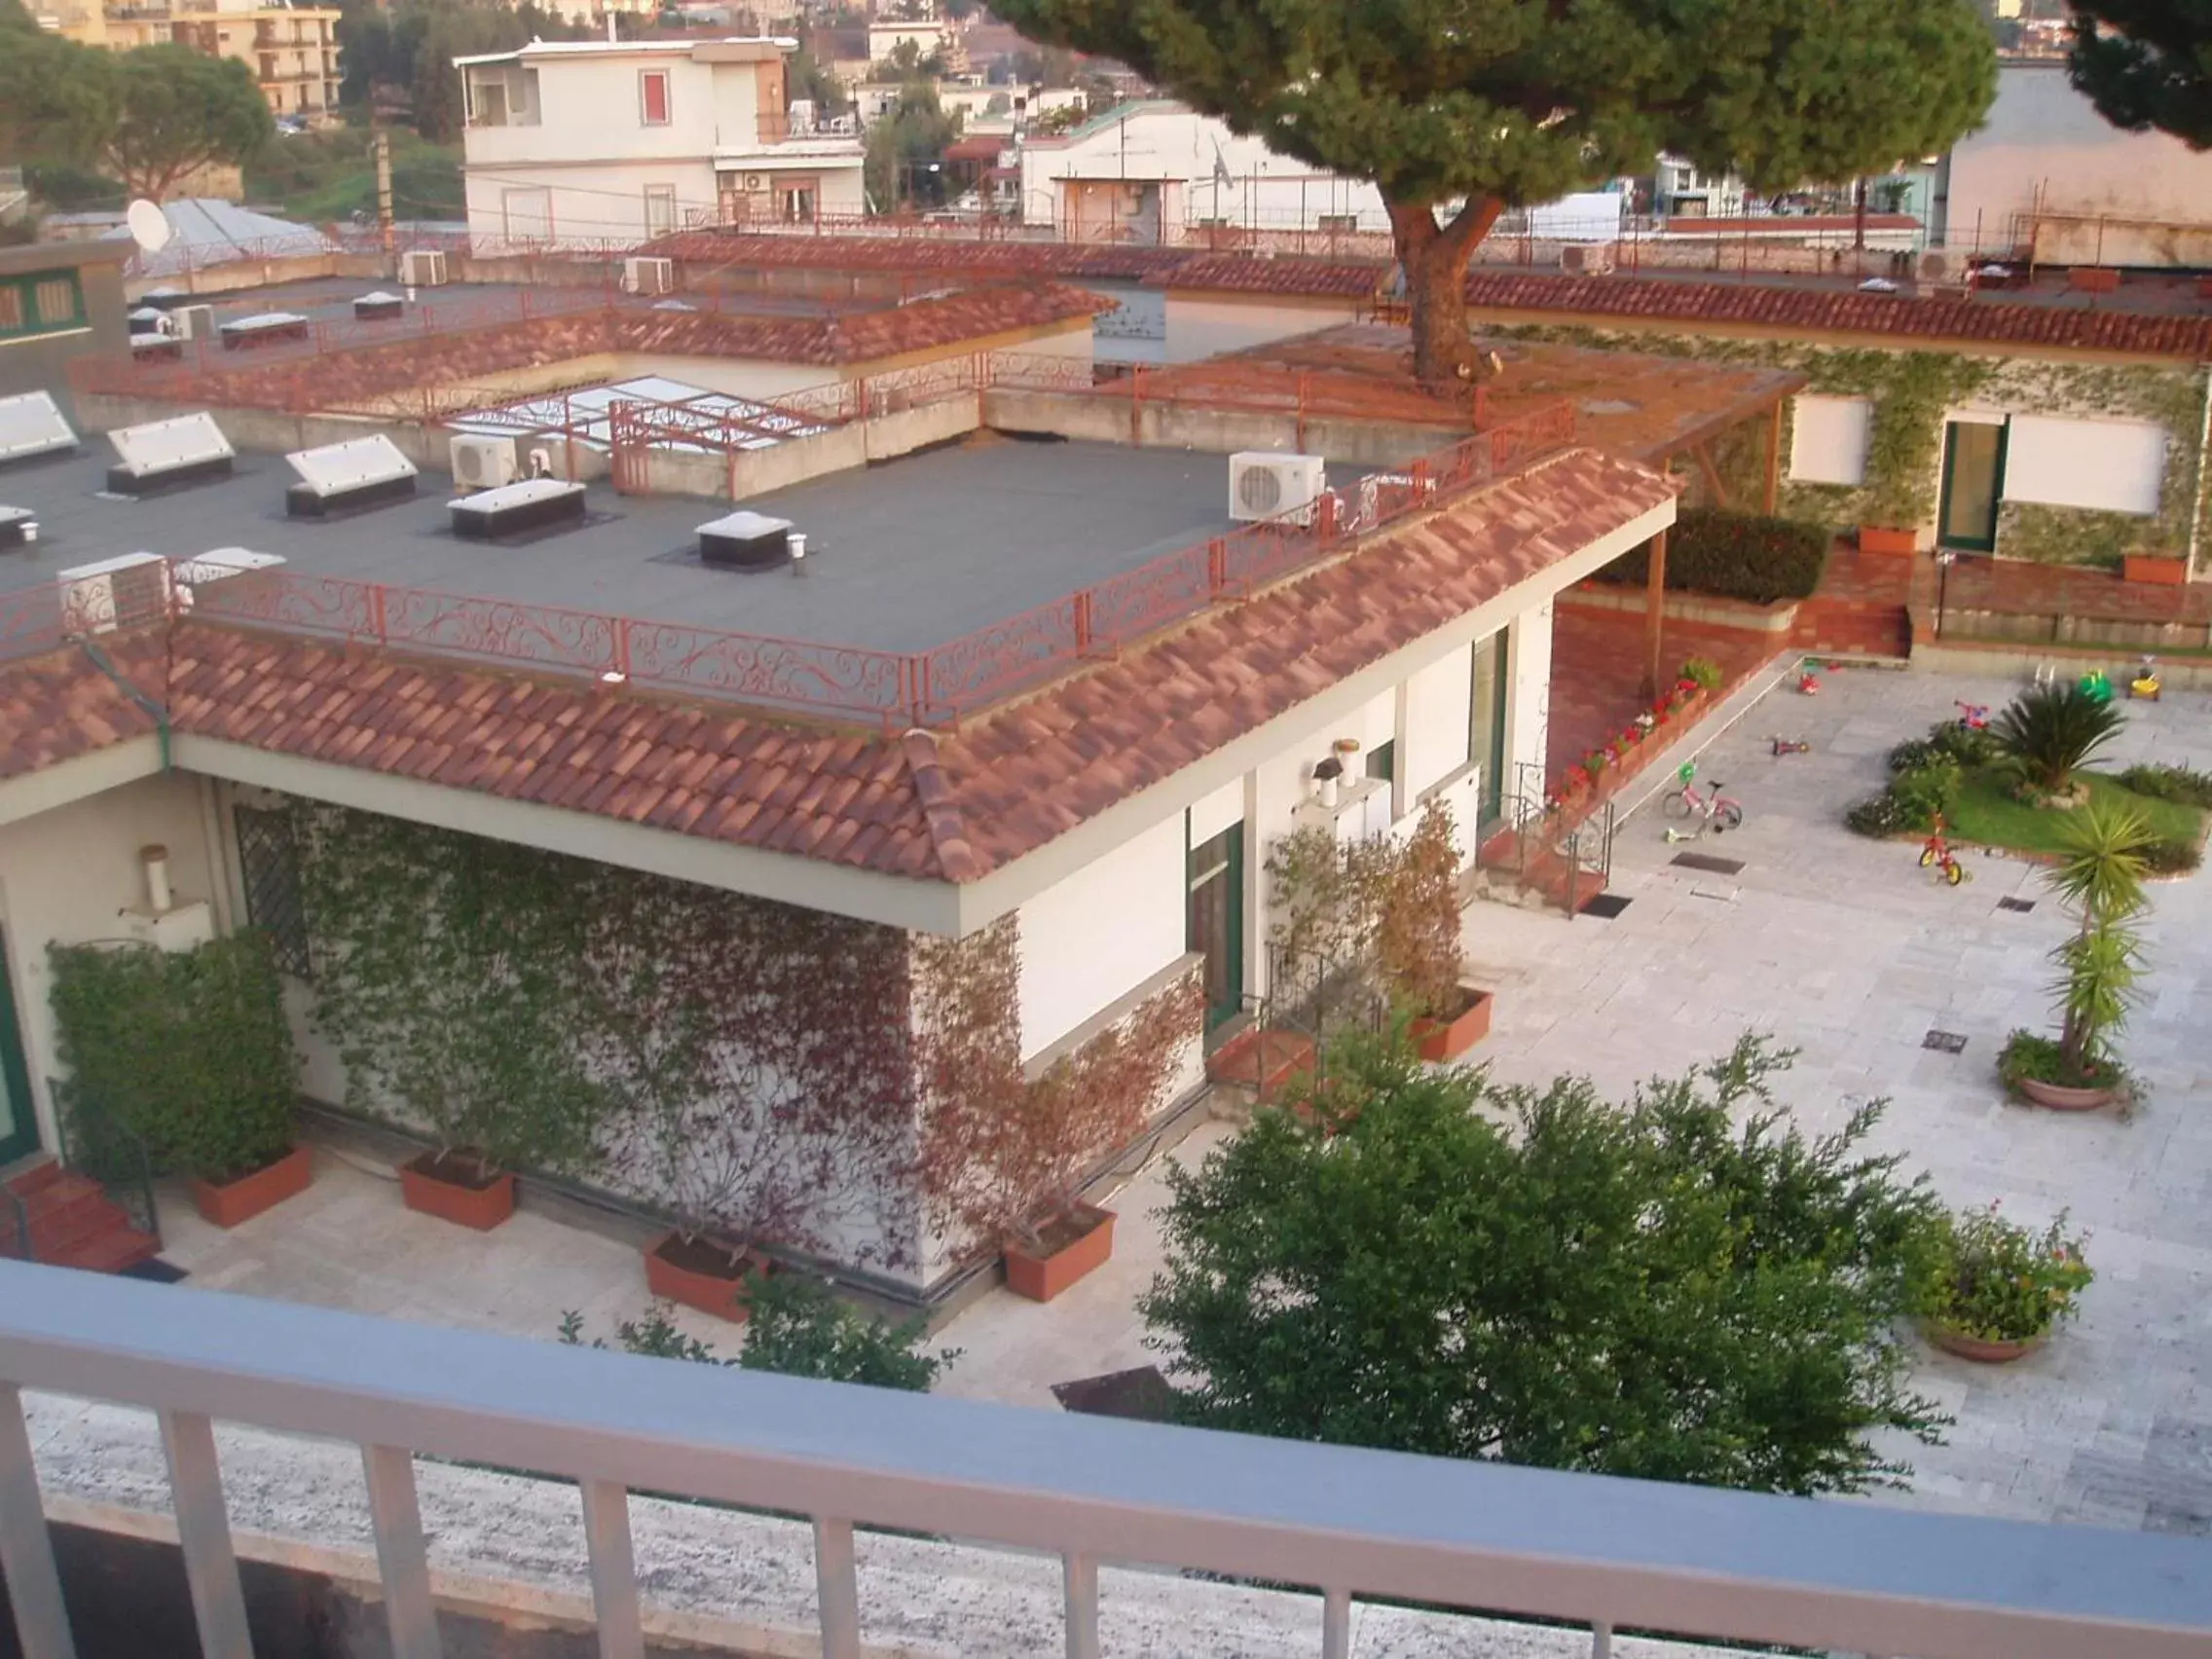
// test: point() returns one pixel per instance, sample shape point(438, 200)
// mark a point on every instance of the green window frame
point(40, 302)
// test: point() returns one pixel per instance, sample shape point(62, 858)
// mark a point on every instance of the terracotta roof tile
point(951, 255)
point(62, 705)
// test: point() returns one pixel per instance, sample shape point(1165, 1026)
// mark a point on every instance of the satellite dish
point(149, 226)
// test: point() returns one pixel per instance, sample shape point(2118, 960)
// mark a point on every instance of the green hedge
point(1734, 556)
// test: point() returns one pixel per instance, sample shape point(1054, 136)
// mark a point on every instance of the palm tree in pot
point(2047, 734)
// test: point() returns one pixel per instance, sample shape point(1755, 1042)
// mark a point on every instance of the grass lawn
point(1986, 813)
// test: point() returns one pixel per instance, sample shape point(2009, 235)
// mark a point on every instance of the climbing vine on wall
point(1910, 391)
point(1003, 1154)
point(739, 1063)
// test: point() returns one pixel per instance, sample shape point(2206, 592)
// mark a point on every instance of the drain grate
point(1709, 862)
point(1605, 906)
point(1946, 1041)
point(2021, 905)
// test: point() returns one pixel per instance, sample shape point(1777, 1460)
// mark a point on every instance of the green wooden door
point(1216, 919)
point(1974, 484)
point(18, 1120)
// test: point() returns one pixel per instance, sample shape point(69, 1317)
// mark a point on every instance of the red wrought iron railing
point(891, 688)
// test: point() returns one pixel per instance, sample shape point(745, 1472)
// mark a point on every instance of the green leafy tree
point(57, 100)
point(905, 165)
point(1646, 1290)
point(798, 1328)
point(178, 110)
point(1492, 104)
point(2147, 63)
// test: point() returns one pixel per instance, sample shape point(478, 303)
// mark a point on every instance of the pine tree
point(2148, 64)
point(1491, 105)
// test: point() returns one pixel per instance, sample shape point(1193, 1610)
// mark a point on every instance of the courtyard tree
point(57, 97)
point(1461, 110)
point(1682, 1287)
point(2147, 63)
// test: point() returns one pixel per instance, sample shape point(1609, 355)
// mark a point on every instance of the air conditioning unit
point(196, 322)
point(422, 267)
point(1266, 485)
point(648, 276)
point(1587, 259)
point(114, 593)
point(757, 181)
point(482, 463)
point(1935, 267)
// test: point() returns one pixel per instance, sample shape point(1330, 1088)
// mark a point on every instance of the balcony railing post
point(838, 1591)
point(403, 1563)
point(1600, 1641)
point(1079, 1574)
point(204, 1533)
point(1083, 623)
point(26, 1548)
point(614, 1571)
point(1217, 568)
point(1336, 1624)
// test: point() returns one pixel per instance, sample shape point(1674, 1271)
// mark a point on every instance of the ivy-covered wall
point(1911, 389)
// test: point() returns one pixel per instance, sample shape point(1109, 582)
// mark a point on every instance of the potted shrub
point(1416, 942)
point(1005, 1156)
point(520, 1104)
point(1703, 674)
point(1993, 1290)
point(1888, 539)
point(2162, 570)
point(2100, 875)
point(191, 1051)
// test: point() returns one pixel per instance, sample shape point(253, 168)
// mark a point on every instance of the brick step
point(107, 1252)
point(72, 1223)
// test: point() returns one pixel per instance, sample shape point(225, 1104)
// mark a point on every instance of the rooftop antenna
point(150, 226)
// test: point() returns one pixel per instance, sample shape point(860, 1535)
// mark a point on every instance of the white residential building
point(2050, 178)
point(929, 36)
point(597, 142)
point(1153, 170)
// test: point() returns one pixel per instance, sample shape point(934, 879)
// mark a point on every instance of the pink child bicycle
point(1708, 806)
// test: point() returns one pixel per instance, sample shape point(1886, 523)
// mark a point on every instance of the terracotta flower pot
point(2153, 568)
point(2059, 1098)
point(457, 1188)
point(1072, 1245)
point(229, 1203)
point(1980, 1349)
point(1440, 1040)
point(1888, 539)
point(701, 1274)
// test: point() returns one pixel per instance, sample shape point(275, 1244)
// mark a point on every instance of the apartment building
point(599, 142)
point(292, 50)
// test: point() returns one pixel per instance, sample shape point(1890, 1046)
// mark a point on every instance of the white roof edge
point(592, 48)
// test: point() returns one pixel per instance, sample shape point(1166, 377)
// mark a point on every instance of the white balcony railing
point(1601, 1553)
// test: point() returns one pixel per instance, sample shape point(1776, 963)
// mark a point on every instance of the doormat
point(1709, 862)
point(1143, 1393)
point(1946, 1041)
point(1605, 907)
point(154, 1270)
point(2020, 905)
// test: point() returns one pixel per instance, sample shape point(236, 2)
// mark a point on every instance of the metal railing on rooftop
point(1596, 1552)
point(889, 688)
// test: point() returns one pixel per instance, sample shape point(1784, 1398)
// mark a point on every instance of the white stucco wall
point(1090, 938)
point(1438, 699)
point(1528, 694)
point(589, 202)
point(2046, 153)
point(1198, 328)
point(66, 873)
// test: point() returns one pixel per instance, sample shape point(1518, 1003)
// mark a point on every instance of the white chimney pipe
point(157, 862)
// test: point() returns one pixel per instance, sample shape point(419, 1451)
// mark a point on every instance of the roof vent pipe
point(156, 860)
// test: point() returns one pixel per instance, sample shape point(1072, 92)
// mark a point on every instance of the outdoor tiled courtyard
point(1839, 946)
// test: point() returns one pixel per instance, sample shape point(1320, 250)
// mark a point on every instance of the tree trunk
point(1434, 259)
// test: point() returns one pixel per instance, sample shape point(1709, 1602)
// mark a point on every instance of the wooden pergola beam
point(1655, 617)
point(1774, 458)
point(1703, 454)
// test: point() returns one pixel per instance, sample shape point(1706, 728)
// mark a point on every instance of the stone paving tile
point(1847, 949)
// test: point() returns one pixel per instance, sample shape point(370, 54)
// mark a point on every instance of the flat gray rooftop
point(902, 557)
point(462, 305)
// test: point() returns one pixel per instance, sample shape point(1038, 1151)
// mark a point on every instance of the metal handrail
point(1595, 1551)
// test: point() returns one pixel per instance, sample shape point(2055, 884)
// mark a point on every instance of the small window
point(660, 209)
point(1383, 761)
point(11, 319)
point(269, 861)
point(1338, 222)
point(652, 96)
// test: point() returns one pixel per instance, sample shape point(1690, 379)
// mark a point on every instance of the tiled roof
point(1739, 305)
point(951, 255)
point(57, 707)
point(339, 378)
point(949, 807)
point(695, 769)
point(1029, 772)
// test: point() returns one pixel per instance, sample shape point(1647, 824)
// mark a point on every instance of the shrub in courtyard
point(2172, 855)
point(1964, 747)
point(1996, 1281)
point(1417, 922)
point(1746, 555)
point(2182, 784)
point(798, 1328)
point(189, 1050)
point(1704, 673)
point(1680, 1287)
point(2048, 732)
point(1877, 815)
